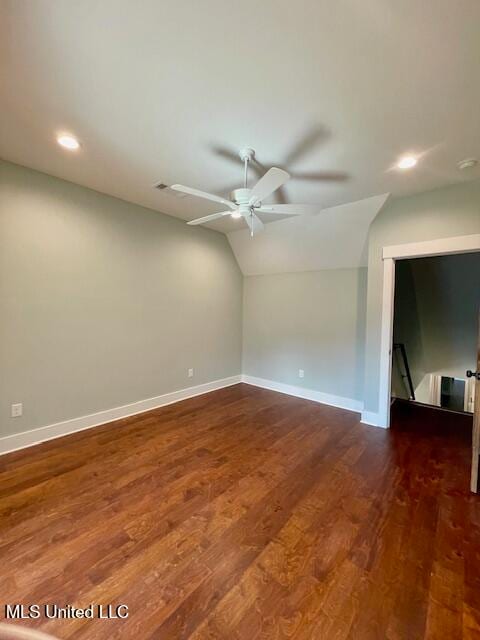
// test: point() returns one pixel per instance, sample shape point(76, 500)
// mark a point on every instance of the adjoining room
point(239, 332)
point(435, 331)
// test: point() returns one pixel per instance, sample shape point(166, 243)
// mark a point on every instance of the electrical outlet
point(190, 373)
point(17, 410)
point(301, 373)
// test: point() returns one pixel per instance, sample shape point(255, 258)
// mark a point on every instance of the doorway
point(391, 255)
point(436, 305)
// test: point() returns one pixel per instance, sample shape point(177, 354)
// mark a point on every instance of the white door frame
point(441, 247)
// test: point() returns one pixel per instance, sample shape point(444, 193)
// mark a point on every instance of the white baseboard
point(307, 394)
point(373, 419)
point(42, 434)
point(59, 429)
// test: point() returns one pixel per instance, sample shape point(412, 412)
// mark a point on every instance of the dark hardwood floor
point(247, 514)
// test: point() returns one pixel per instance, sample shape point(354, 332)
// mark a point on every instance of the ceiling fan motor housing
point(242, 198)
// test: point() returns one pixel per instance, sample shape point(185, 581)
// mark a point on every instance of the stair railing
point(400, 348)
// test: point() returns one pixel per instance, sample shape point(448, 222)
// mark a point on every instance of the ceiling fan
point(246, 203)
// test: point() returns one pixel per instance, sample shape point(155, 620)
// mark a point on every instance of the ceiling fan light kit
point(245, 202)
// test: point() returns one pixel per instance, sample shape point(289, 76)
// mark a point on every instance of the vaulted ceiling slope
point(336, 238)
point(167, 91)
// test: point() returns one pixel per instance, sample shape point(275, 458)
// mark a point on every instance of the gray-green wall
point(313, 321)
point(450, 211)
point(104, 303)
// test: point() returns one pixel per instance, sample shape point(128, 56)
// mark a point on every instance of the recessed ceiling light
point(68, 142)
point(407, 162)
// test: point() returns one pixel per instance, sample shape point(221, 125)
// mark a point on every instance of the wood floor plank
point(247, 514)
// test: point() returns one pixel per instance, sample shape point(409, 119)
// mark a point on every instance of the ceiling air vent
point(161, 186)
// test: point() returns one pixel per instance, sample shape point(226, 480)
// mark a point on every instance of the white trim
point(386, 343)
point(307, 394)
point(59, 429)
point(435, 390)
point(440, 247)
point(469, 399)
point(371, 418)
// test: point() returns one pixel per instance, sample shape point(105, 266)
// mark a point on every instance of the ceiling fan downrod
point(246, 155)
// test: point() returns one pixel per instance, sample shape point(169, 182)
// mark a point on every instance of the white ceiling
point(336, 238)
point(151, 88)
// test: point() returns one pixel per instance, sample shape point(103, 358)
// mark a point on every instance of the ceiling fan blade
point(203, 194)
point(290, 209)
point(307, 143)
point(270, 182)
point(281, 196)
point(233, 156)
point(213, 216)
point(227, 154)
point(328, 176)
point(254, 223)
